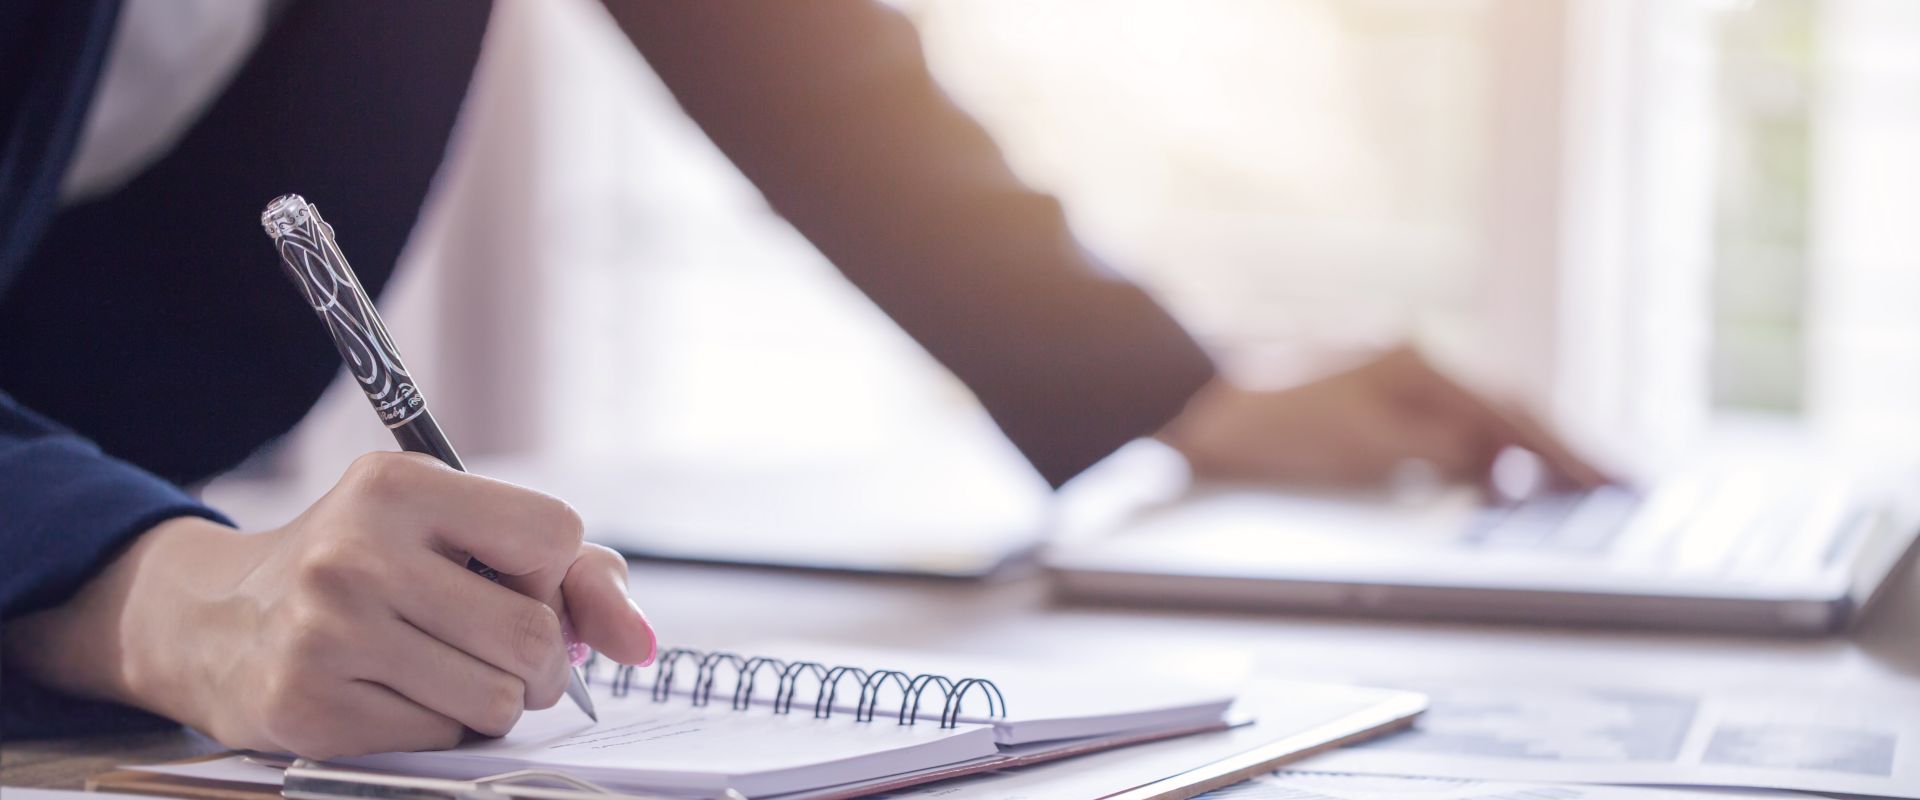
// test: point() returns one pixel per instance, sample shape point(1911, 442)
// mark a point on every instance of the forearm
point(100, 644)
point(828, 107)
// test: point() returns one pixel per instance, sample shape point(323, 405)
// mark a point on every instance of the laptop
point(1764, 538)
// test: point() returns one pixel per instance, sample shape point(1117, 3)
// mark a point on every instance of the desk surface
point(707, 604)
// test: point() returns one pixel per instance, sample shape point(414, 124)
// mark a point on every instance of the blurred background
point(1639, 216)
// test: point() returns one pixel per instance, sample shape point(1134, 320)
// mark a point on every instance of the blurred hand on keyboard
point(1365, 426)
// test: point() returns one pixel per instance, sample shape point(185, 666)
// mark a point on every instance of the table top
point(716, 605)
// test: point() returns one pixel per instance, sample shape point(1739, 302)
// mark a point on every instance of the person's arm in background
point(828, 107)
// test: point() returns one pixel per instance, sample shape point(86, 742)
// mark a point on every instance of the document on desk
point(1753, 739)
point(1303, 785)
point(1278, 720)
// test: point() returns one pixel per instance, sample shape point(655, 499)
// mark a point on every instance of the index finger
point(1530, 434)
point(1517, 428)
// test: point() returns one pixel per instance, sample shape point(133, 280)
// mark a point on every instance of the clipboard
point(307, 780)
point(135, 781)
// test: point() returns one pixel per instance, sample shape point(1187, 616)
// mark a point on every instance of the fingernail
point(653, 640)
point(577, 651)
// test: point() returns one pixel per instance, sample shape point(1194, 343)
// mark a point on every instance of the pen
point(312, 259)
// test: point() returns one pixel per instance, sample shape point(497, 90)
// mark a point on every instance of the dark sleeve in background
point(828, 107)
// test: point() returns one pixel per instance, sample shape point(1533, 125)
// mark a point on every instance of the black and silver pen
point(312, 259)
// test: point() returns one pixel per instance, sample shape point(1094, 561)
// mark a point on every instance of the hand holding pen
point(357, 627)
point(354, 628)
point(522, 550)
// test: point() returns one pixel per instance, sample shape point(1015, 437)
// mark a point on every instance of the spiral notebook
point(712, 724)
point(702, 722)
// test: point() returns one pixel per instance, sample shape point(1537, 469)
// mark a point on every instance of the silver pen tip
point(577, 689)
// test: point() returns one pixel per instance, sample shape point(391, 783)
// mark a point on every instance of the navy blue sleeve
point(66, 510)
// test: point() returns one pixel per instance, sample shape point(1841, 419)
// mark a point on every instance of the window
point(1276, 171)
point(1741, 239)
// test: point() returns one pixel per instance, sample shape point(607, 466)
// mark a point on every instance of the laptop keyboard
point(1574, 522)
point(1736, 522)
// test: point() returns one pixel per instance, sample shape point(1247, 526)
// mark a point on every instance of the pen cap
point(312, 259)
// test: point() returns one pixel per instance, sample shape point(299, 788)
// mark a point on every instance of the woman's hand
point(355, 628)
point(1358, 427)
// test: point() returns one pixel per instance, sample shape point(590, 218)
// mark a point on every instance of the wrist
point(126, 634)
point(1197, 429)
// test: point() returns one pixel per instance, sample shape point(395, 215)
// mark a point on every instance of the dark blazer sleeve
point(65, 510)
point(828, 107)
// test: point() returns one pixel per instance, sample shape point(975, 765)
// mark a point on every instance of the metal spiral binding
point(788, 676)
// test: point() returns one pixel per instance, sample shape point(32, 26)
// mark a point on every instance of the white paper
point(1301, 715)
point(1298, 785)
point(1757, 739)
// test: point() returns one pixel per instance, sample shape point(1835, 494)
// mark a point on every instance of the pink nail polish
point(654, 640)
point(577, 651)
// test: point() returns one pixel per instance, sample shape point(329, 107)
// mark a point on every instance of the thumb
point(602, 614)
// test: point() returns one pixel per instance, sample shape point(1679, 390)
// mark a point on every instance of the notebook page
point(675, 747)
point(1046, 700)
point(1300, 715)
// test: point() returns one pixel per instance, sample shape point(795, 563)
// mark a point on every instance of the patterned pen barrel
point(313, 261)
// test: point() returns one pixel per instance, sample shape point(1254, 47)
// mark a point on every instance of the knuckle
point(562, 523)
point(536, 638)
point(444, 735)
point(604, 556)
point(335, 569)
point(601, 557)
point(500, 706)
point(1410, 363)
point(378, 475)
point(1407, 353)
point(545, 690)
